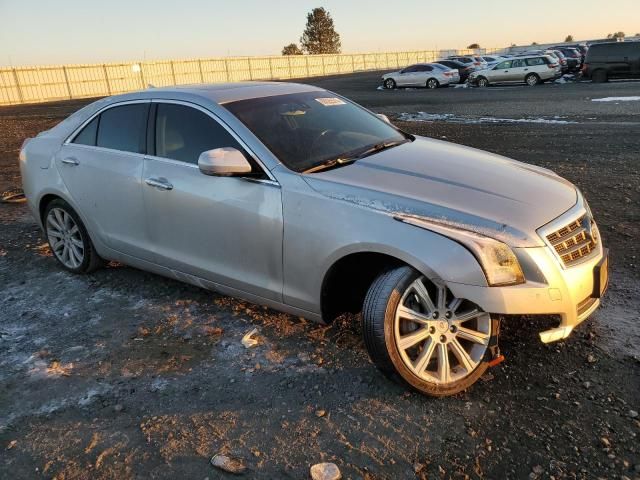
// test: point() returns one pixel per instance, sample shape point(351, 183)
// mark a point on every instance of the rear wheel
point(432, 83)
point(482, 82)
point(417, 332)
point(389, 84)
point(532, 79)
point(599, 76)
point(68, 238)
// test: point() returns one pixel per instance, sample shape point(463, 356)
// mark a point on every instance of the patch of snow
point(616, 99)
point(380, 88)
point(449, 117)
point(461, 85)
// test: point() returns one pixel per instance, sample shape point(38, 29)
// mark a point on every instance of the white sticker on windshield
point(330, 102)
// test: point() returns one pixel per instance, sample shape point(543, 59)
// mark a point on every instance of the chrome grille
point(576, 241)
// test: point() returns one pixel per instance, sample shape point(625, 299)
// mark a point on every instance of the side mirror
point(383, 117)
point(223, 162)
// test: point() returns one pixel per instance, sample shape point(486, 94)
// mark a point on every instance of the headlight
point(497, 260)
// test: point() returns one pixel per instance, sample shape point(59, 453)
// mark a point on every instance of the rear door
point(227, 230)
point(101, 167)
point(423, 73)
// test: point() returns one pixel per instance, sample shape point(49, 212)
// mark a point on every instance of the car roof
point(220, 93)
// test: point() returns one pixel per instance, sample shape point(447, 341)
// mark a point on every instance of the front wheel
point(482, 82)
point(389, 84)
point(417, 332)
point(532, 79)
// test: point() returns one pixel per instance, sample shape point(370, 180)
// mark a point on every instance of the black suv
point(612, 60)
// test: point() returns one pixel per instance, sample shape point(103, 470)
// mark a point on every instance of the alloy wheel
point(65, 238)
point(441, 339)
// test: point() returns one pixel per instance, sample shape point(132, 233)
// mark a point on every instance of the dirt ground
point(125, 374)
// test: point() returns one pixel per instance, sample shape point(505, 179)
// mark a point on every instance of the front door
point(227, 230)
point(102, 170)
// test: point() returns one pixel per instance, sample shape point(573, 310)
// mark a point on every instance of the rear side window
point(532, 62)
point(183, 133)
point(124, 128)
point(517, 63)
point(424, 68)
point(87, 135)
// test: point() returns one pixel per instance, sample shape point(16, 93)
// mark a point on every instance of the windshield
point(306, 130)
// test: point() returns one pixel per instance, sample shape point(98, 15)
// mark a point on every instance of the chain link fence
point(63, 82)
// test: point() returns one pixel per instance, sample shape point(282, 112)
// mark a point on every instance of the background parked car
point(612, 60)
point(574, 57)
point(420, 75)
point(476, 62)
point(531, 70)
point(464, 69)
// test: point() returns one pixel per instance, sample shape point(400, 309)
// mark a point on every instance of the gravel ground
point(124, 374)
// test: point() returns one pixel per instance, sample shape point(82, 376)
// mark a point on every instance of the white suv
point(531, 70)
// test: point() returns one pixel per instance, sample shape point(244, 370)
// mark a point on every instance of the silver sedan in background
point(297, 198)
point(427, 75)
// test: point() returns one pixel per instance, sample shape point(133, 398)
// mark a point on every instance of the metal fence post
point(226, 69)
point(250, 71)
point(200, 70)
point(289, 62)
point(270, 70)
point(66, 81)
point(324, 70)
point(106, 78)
point(173, 72)
point(142, 76)
point(17, 82)
point(353, 63)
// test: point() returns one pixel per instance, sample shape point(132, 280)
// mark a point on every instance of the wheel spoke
point(55, 244)
point(454, 304)
point(441, 297)
point(77, 243)
point(74, 230)
point(423, 359)
point(462, 355)
point(413, 338)
point(473, 335)
point(423, 295)
point(470, 315)
point(408, 314)
point(59, 219)
point(54, 233)
point(443, 362)
point(53, 222)
point(76, 254)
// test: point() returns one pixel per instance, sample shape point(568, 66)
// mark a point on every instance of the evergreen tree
point(569, 38)
point(320, 36)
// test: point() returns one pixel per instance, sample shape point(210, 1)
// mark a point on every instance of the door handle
point(70, 161)
point(160, 183)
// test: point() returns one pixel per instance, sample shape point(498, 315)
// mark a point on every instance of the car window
point(124, 128)
point(87, 135)
point(424, 68)
point(504, 65)
point(532, 62)
point(412, 68)
point(183, 133)
point(518, 63)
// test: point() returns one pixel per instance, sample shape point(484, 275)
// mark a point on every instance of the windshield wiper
point(347, 159)
point(378, 147)
point(333, 163)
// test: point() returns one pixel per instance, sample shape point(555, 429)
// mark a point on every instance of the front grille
point(576, 241)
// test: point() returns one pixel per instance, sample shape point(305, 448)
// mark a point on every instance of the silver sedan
point(427, 75)
point(294, 197)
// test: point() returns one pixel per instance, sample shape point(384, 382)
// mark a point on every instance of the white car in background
point(531, 69)
point(427, 75)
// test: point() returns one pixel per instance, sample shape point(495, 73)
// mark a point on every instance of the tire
point(599, 76)
point(68, 238)
point(482, 82)
point(432, 84)
point(389, 84)
point(532, 79)
point(383, 327)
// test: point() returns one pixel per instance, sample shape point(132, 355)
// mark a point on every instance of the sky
point(40, 32)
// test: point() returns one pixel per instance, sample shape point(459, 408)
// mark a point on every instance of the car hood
point(456, 185)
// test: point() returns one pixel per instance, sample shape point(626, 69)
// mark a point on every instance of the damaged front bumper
point(569, 293)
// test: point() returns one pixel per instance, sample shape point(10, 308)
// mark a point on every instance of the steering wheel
point(324, 136)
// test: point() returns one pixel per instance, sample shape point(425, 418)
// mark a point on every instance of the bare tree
point(474, 46)
point(569, 38)
point(320, 35)
point(291, 49)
